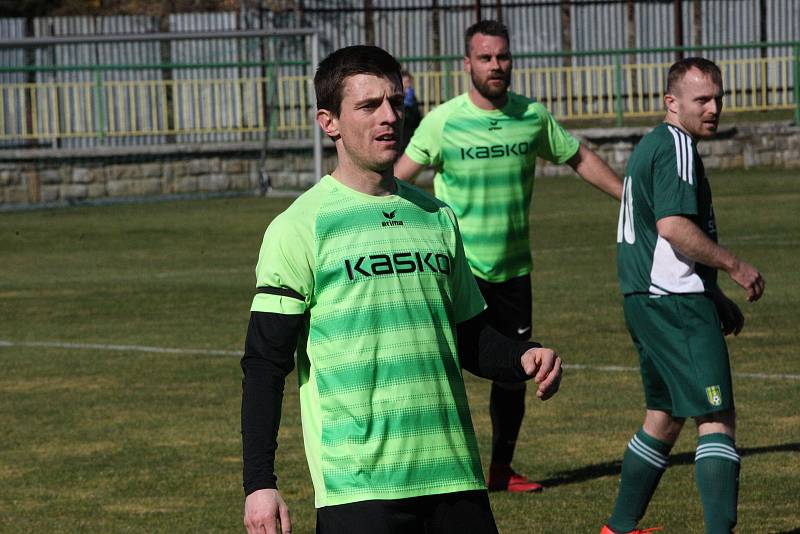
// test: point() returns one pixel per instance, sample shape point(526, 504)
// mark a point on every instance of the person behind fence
point(365, 277)
point(483, 145)
point(411, 113)
point(676, 313)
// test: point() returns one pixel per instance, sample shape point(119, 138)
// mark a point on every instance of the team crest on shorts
point(714, 395)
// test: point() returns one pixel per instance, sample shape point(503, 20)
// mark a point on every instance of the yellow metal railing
point(100, 108)
point(44, 111)
point(751, 84)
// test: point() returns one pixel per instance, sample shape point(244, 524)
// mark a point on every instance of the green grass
point(125, 441)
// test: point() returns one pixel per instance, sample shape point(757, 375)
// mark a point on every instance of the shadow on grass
point(590, 472)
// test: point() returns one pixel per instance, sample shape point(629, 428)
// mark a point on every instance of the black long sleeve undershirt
point(269, 357)
point(485, 352)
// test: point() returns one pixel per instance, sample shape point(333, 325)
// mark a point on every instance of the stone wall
point(66, 180)
point(774, 144)
point(53, 177)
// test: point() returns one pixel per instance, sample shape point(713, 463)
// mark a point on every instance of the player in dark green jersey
point(668, 257)
point(483, 145)
point(365, 277)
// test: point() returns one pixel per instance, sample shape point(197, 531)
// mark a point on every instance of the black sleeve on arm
point(485, 352)
point(268, 358)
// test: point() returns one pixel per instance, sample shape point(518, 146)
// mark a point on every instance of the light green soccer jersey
point(485, 163)
point(385, 282)
point(664, 177)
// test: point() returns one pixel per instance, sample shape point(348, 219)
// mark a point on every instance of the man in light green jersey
point(365, 277)
point(483, 145)
point(667, 258)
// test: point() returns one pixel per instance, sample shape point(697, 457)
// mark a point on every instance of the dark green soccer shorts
point(682, 353)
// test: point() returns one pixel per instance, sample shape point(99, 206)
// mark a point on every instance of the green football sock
point(644, 462)
point(717, 474)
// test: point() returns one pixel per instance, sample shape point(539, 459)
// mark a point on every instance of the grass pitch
point(114, 439)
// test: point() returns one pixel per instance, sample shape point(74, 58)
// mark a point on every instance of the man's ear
point(671, 103)
point(467, 65)
point(328, 122)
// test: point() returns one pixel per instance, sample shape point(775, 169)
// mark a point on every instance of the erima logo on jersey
point(391, 221)
point(399, 262)
point(493, 125)
point(495, 151)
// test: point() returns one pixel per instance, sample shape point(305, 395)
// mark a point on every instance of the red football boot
point(606, 530)
point(503, 478)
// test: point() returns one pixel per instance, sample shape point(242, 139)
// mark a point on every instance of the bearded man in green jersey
point(365, 277)
point(667, 260)
point(483, 145)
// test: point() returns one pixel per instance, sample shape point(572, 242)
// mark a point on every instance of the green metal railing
point(772, 87)
point(277, 100)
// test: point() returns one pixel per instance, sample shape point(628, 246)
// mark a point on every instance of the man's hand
point(749, 278)
point(545, 367)
point(729, 314)
point(686, 236)
point(265, 512)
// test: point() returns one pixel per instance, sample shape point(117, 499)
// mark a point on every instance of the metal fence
point(228, 101)
point(116, 90)
point(128, 92)
point(65, 104)
point(608, 86)
point(410, 28)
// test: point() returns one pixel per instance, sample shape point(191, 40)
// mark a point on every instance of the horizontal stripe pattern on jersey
point(384, 409)
point(485, 163)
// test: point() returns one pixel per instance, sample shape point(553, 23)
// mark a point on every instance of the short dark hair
point(332, 72)
point(679, 69)
point(486, 27)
